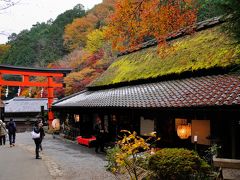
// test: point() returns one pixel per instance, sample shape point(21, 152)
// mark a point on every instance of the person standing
point(37, 141)
point(99, 131)
point(11, 126)
point(3, 133)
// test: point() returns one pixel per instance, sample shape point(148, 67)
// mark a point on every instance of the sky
point(28, 12)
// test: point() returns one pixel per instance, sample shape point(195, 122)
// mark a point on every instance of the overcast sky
point(29, 12)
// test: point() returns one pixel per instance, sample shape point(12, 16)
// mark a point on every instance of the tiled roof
point(32, 69)
point(216, 90)
point(21, 105)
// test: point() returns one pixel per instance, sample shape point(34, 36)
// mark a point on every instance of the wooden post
point(50, 101)
point(1, 102)
point(233, 139)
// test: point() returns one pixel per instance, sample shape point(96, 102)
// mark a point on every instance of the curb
point(60, 136)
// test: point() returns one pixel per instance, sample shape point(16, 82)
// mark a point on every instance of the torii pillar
point(29, 72)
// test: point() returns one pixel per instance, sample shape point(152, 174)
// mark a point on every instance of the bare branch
point(4, 33)
point(5, 4)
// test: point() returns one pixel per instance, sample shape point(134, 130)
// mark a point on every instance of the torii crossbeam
point(26, 73)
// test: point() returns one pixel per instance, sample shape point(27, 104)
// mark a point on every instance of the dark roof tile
point(199, 91)
point(25, 105)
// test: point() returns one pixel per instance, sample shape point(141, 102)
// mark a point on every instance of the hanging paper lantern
point(41, 93)
point(6, 93)
point(19, 91)
point(56, 124)
point(184, 131)
point(30, 92)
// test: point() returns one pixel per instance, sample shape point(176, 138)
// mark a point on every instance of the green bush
point(173, 163)
point(111, 158)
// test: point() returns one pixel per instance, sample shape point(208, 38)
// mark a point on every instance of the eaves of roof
point(205, 91)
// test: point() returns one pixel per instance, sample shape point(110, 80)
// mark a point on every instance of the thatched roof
point(209, 48)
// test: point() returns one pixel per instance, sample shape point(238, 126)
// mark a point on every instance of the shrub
point(111, 158)
point(173, 163)
point(128, 156)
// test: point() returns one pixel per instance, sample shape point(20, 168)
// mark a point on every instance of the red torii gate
point(26, 73)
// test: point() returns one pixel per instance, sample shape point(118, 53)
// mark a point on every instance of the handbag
point(35, 135)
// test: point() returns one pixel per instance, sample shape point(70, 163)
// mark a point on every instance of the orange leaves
point(77, 81)
point(136, 20)
point(75, 34)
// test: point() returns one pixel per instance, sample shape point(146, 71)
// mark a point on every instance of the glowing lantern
point(56, 124)
point(184, 131)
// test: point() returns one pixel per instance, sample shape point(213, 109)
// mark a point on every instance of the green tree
point(231, 9)
point(208, 9)
point(228, 8)
point(43, 43)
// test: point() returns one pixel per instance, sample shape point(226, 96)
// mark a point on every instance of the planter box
point(230, 167)
point(86, 141)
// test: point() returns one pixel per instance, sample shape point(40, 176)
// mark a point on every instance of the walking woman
point(37, 140)
point(3, 133)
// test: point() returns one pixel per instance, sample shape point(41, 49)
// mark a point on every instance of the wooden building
point(25, 111)
point(195, 86)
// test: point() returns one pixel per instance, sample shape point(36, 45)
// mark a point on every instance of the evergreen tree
point(43, 43)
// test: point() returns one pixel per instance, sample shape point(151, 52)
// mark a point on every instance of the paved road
point(62, 160)
point(16, 164)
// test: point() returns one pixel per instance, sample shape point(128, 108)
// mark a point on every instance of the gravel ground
point(66, 160)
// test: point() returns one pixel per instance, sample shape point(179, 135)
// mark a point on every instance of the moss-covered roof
point(206, 49)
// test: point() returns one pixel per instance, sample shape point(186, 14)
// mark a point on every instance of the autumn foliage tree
point(95, 40)
point(137, 20)
point(91, 67)
point(4, 48)
point(75, 34)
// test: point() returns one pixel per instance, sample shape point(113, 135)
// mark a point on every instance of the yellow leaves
point(95, 40)
point(153, 134)
point(128, 157)
point(126, 131)
point(4, 49)
point(131, 143)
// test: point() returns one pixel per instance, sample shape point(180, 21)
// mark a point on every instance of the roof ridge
point(187, 74)
point(70, 96)
point(29, 99)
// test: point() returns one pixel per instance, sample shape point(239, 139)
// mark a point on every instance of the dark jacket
point(36, 129)
point(99, 132)
point(42, 133)
point(11, 126)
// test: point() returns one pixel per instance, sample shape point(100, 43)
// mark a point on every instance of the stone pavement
point(17, 163)
point(62, 160)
